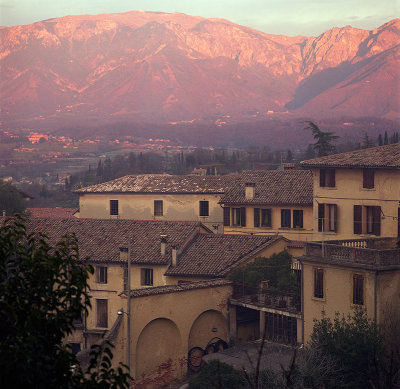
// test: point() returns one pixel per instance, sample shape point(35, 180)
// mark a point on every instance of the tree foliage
point(11, 199)
point(358, 347)
point(276, 269)
point(323, 140)
point(43, 290)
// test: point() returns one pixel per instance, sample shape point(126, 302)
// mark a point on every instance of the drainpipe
point(375, 295)
point(302, 303)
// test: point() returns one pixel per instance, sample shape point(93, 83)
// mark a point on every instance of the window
point(102, 313)
point(357, 219)
point(266, 220)
point(285, 218)
point(158, 208)
point(327, 178)
point(239, 217)
point(262, 217)
point(147, 277)
point(368, 178)
point(125, 277)
point(372, 220)
point(101, 274)
point(113, 207)
point(203, 208)
point(227, 216)
point(327, 217)
point(358, 289)
point(319, 283)
point(75, 347)
point(297, 218)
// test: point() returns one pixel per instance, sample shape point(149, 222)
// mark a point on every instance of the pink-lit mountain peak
point(158, 66)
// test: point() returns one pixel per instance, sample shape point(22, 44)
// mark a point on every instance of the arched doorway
point(158, 352)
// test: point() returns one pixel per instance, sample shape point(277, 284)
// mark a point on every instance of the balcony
point(266, 300)
point(380, 252)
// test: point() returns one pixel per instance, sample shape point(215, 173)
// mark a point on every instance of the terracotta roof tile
point(179, 288)
point(272, 187)
point(212, 255)
point(387, 156)
point(162, 183)
point(62, 213)
point(101, 239)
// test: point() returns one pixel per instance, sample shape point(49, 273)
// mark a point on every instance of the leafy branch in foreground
point(43, 290)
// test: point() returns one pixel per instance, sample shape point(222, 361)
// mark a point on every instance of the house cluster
point(163, 248)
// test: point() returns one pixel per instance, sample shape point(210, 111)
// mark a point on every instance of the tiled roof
point(101, 239)
point(179, 288)
point(162, 183)
point(272, 187)
point(387, 156)
point(213, 255)
point(58, 213)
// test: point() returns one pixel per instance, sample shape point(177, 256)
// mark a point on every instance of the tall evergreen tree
point(386, 139)
point(323, 145)
point(380, 140)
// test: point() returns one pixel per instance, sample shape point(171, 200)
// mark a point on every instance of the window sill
point(319, 299)
point(368, 189)
point(328, 187)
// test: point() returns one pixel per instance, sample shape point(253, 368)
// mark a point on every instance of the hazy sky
point(288, 17)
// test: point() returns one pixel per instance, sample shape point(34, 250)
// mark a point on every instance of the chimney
point(163, 244)
point(250, 188)
point(174, 255)
point(4, 212)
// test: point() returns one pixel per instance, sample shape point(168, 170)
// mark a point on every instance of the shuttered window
point(321, 217)
point(297, 218)
point(357, 210)
point(227, 216)
point(256, 217)
point(327, 178)
point(368, 178)
point(158, 208)
point(358, 289)
point(266, 218)
point(285, 218)
point(113, 207)
point(102, 313)
point(204, 208)
point(318, 283)
point(243, 217)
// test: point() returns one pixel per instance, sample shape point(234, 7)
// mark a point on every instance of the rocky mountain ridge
point(160, 67)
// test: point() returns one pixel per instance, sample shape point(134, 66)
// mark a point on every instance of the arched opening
point(209, 325)
point(158, 354)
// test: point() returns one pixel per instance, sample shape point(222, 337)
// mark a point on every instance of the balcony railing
point(267, 298)
point(375, 252)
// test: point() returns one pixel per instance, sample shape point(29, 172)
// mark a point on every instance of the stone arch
point(158, 352)
point(208, 325)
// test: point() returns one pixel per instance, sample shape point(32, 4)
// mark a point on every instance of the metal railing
point(267, 298)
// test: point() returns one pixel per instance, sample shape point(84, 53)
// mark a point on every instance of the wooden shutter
point(256, 217)
point(376, 211)
point(321, 215)
point(335, 217)
point(243, 217)
point(357, 219)
point(368, 178)
point(331, 178)
point(227, 216)
point(322, 178)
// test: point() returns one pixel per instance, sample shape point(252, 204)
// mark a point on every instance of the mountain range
point(174, 68)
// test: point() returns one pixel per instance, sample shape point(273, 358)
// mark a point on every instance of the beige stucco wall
point(302, 234)
point(338, 294)
point(349, 192)
point(179, 207)
point(165, 327)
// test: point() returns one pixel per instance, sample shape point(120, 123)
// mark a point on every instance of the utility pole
point(128, 348)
